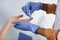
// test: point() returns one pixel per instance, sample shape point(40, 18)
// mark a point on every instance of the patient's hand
point(15, 18)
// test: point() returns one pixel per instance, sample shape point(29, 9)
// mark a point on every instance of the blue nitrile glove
point(26, 26)
point(30, 7)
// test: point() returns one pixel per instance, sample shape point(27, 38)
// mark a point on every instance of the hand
point(9, 22)
point(30, 7)
point(25, 26)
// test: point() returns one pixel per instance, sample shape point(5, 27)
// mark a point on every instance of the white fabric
point(42, 19)
point(58, 36)
point(57, 22)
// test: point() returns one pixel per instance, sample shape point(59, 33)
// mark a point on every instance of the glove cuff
point(41, 5)
point(34, 28)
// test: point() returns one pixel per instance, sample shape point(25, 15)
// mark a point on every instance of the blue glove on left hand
point(26, 26)
point(30, 7)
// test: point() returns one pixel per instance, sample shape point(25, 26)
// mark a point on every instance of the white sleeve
point(58, 36)
point(57, 21)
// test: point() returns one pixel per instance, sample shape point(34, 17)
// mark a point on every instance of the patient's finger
point(25, 20)
point(29, 19)
point(19, 16)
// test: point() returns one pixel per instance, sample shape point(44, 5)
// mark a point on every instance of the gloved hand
point(30, 7)
point(26, 26)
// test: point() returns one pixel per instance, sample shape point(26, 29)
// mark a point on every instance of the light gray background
point(10, 8)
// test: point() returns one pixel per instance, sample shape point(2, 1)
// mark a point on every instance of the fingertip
point(30, 18)
point(19, 16)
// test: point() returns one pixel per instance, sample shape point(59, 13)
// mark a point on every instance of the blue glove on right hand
point(30, 7)
point(26, 26)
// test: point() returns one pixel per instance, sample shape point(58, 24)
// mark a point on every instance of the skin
point(50, 34)
point(8, 25)
point(49, 8)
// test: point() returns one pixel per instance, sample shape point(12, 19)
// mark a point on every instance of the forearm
point(40, 31)
point(49, 8)
point(50, 34)
point(4, 31)
point(8, 25)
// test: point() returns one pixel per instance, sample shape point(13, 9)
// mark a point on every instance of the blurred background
point(10, 8)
